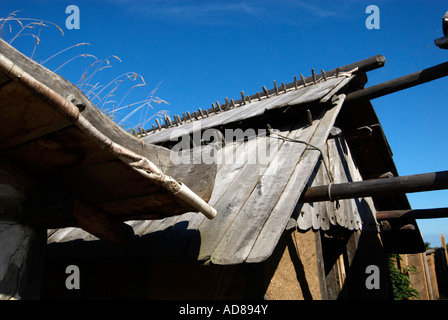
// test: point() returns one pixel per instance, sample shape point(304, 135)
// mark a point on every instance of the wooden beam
point(377, 187)
point(414, 214)
point(394, 85)
point(52, 207)
point(365, 65)
point(102, 225)
point(442, 43)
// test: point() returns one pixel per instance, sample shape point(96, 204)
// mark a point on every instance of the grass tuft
point(113, 98)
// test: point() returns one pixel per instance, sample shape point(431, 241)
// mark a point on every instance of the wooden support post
point(21, 246)
point(52, 207)
point(443, 244)
point(377, 187)
point(22, 252)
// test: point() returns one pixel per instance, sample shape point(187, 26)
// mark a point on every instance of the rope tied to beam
point(327, 168)
point(284, 138)
point(335, 201)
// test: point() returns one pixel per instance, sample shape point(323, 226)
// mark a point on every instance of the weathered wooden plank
point(301, 218)
point(234, 197)
point(197, 169)
point(203, 124)
point(259, 107)
point(237, 242)
point(315, 215)
point(326, 212)
point(171, 134)
point(316, 92)
point(229, 203)
point(105, 182)
point(276, 181)
point(265, 244)
point(302, 171)
point(170, 230)
point(320, 265)
point(256, 108)
point(251, 110)
point(364, 65)
point(66, 148)
point(146, 207)
point(223, 117)
point(140, 227)
point(25, 117)
point(225, 174)
point(236, 156)
point(348, 213)
point(363, 216)
point(336, 89)
point(340, 173)
point(183, 229)
point(67, 234)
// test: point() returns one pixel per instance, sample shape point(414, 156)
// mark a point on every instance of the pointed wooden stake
point(303, 80)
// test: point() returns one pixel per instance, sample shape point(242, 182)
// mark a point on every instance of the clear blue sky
point(198, 52)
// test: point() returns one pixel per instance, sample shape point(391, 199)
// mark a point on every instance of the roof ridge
point(217, 108)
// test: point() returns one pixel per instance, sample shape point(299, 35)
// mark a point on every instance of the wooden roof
point(257, 201)
point(254, 199)
point(50, 130)
point(260, 106)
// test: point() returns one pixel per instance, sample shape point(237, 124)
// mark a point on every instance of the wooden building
point(268, 171)
point(264, 242)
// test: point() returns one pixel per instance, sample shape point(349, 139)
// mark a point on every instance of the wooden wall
point(430, 277)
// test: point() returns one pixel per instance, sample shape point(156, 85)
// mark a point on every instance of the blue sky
point(197, 52)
